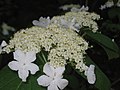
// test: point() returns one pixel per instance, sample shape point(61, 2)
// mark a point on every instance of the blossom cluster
point(77, 20)
point(69, 6)
point(60, 39)
point(109, 4)
point(61, 43)
point(74, 7)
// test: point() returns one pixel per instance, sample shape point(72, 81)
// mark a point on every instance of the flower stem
point(44, 57)
point(86, 2)
point(41, 59)
point(19, 85)
point(83, 34)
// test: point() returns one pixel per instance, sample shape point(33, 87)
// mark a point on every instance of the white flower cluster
point(70, 47)
point(69, 6)
point(74, 7)
point(77, 20)
point(43, 22)
point(26, 40)
point(53, 79)
point(108, 4)
point(83, 8)
point(61, 43)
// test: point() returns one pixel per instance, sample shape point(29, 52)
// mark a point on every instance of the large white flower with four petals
point(23, 64)
point(53, 78)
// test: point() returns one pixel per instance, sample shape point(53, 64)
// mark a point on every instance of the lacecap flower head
point(61, 42)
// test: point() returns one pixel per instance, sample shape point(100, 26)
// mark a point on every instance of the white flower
point(3, 44)
point(102, 7)
point(113, 40)
point(67, 7)
point(43, 22)
point(109, 4)
point(63, 8)
point(53, 78)
point(90, 74)
point(83, 8)
point(75, 9)
point(23, 64)
point(6, 29)
point(118, 3)
point(70, 24)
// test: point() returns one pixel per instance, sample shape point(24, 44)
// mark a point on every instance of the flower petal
point(44, 80)
point(3, 44)
point(90, 74)
point(59, 71)
point(23, 74)
point(30, 56)
point(19, 55)
point(14, 65)
point(32, 67)
point(53, 86)
point(62, 83)
point(48, 70)
point(35, 22)
point(0, 49)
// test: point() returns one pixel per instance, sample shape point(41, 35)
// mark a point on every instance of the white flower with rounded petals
point(83, 8)
point(109, 4)
point(90, 74)
point(53, 78)
point(43, 22)
point(6, 29)
point(67, 7)
point(70, 24)
point(118, 3)
point(102, 7)
point(23, 64)
point(3, 44)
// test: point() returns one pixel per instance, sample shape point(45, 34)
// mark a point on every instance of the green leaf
point(108, 45)
point(115, 1)
point(102, 82)
point(0, 59)
point(73, 81)
point(111, 54)
point(111, 26)
point(9, 80)
point(113, 13)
